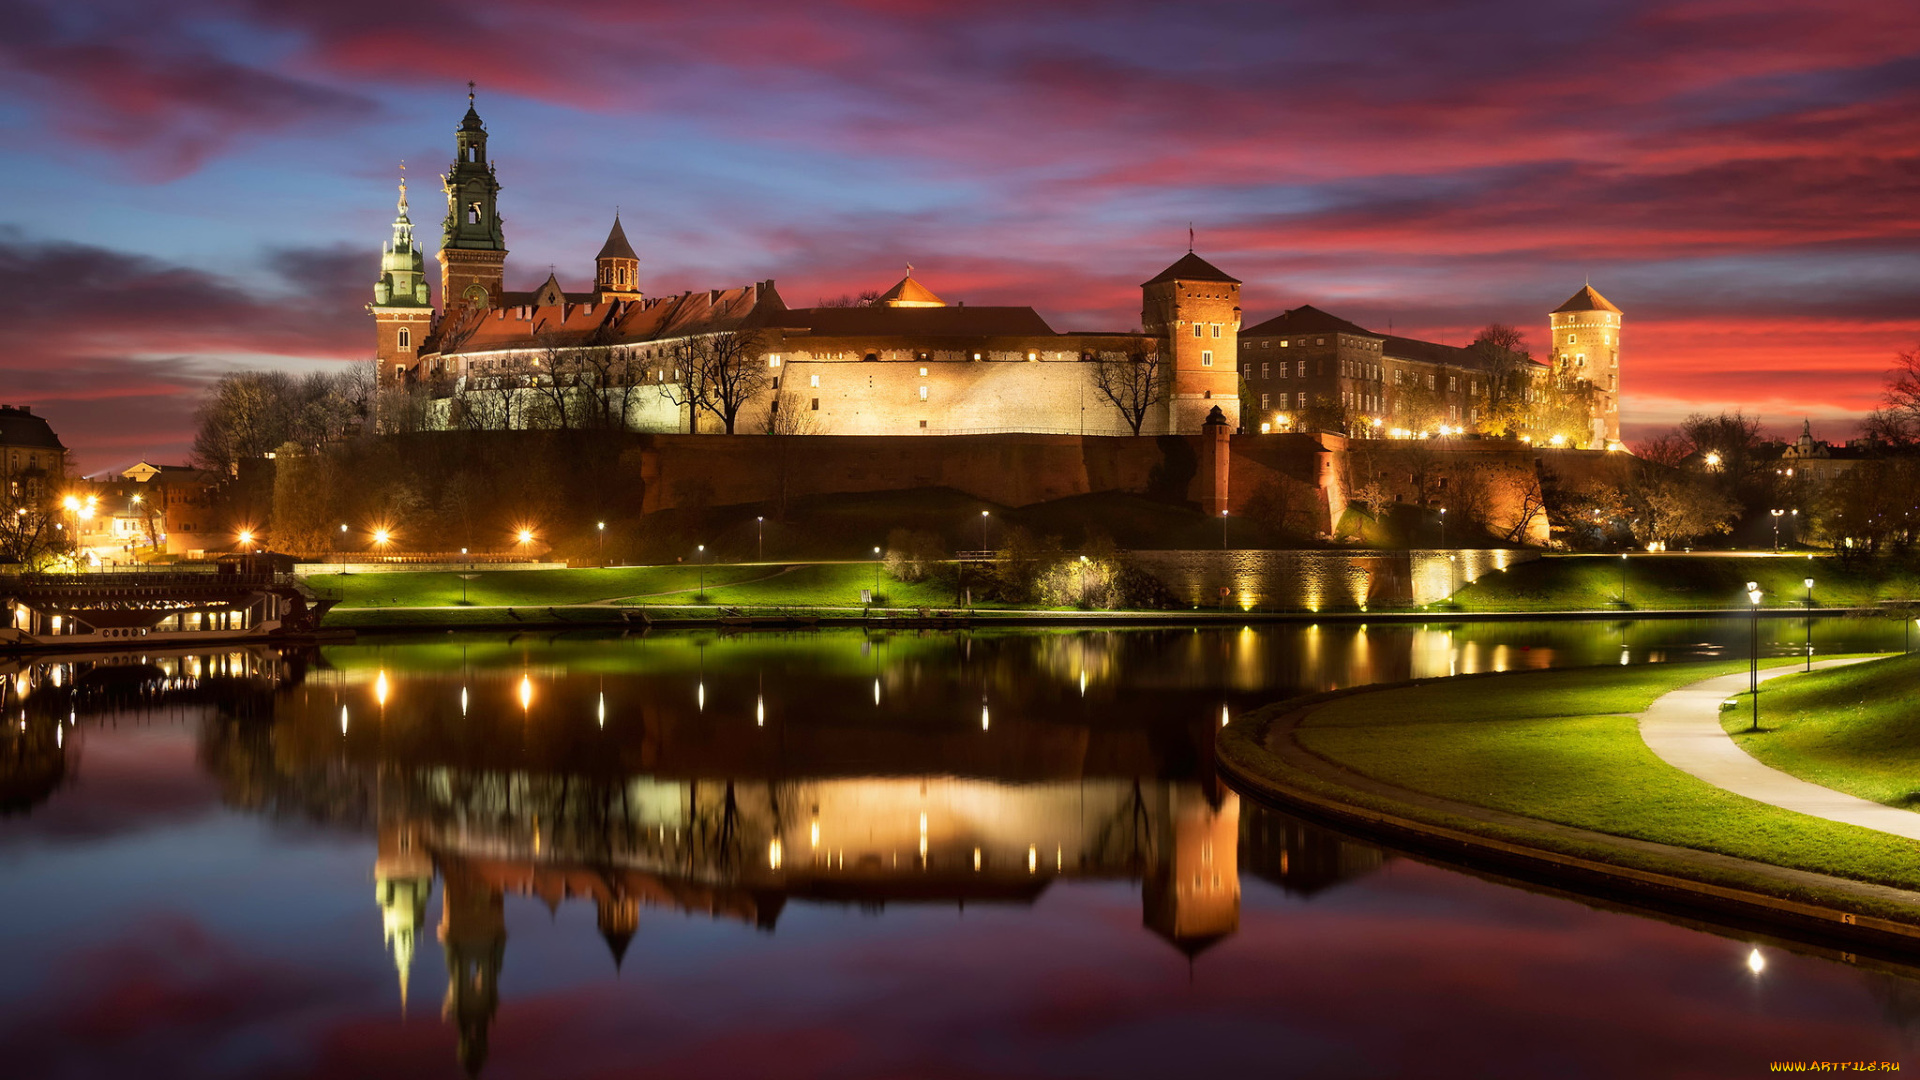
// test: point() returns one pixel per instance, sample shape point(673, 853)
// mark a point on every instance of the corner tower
point(1585, 332)
point(616, 270)
point(402, 311)
point(473, 249)
point(1194, 309)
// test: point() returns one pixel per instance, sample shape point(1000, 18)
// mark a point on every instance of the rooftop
point(1192, 267)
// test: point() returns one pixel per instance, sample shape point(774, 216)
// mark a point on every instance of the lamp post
point(1753, 649)
point(700, 557)
point(525, 537)
point(983, 532)
point(1443, 526)
point(1223, 530)
point(876, 575)
point(600, 532)
point(343, 549)
point(760, 523)
point(1623, 579)
point(1809, 585)
point(1776, 527)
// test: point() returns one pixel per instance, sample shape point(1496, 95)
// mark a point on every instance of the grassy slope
point(1855, 729)
point(1680, 581)
point(1557, 747)
point(806, 586)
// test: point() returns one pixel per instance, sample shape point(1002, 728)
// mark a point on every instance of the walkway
point(1683, 728)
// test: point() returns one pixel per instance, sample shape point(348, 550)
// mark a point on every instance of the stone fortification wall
point(1322, 580)
point(1012, 470)
point(947, 393)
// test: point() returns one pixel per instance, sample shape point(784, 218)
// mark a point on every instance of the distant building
point(33, 462)
point(908, 363)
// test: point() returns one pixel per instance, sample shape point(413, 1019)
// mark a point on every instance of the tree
point(1869, 507)
point(736, 372)
point(1508, 369)
point(32, 532)
point(1563, 408)
point(1672, 507)
point(1324, 414)
point(865, 299)
point(688, 386)
point(788, 415)
point(1130, 382)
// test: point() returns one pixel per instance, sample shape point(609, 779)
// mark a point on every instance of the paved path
point(1683, 728)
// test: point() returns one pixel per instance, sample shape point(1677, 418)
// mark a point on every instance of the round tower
point(1585, 332)
point(1194, 309)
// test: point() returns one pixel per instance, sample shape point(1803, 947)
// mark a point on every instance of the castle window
point(773, 360)
point(1453, 385)
point(816, 383)
point(1283, 369)
point(406, 339)
point(1284, 343)
point(1263, 371)
point(1320, 341)
point(1429, 382)
point(976, 356)
point(1570, 339)
point(1196, 329)
point(1263, 401)
point(776, 386)
point(1206, 358)
point(923, 374)
point(816, 404)
point(923, 393)
point(1216, 329)
point(1302, 373)
point(473, 213)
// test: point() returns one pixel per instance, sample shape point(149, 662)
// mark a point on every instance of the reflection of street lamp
point(1809, 584)
point(1753, 662)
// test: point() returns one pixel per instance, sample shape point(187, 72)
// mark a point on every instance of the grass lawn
point(1561, 746)
point(1855, 729)
point(816, 585)
point(1592, 582)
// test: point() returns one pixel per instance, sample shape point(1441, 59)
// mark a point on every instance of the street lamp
point(1809, 585)
point(1753, 649)
point(525, 536)
point(876, 574)
point(1223, 530)
point(1776, 527)
point(1443, 526)
point(600, 532)
point(760, 523)
point(983, 532)
point(246, 540)
point(1623, 579)
point(381, 538)
point(700, 556)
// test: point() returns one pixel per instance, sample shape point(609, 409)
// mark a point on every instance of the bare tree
point(688, 386)
point(1130, 382)
point(865, 299)
point(736, 372)
point(1507, 367)
point(786, 415)
point(31, 532)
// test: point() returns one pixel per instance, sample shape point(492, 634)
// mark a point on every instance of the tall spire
point(403, 267)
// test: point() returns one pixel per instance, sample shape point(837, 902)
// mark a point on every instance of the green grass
point(1854, 729)
point(371, 599)
point(1560, 746)
point(1592, 582)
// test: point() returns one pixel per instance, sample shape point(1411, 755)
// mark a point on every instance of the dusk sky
point(198, 186)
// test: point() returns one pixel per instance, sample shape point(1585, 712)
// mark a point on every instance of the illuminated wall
point(1250, 580)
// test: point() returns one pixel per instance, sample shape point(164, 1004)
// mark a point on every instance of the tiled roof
point(520, 323)
point(1587, 300)
point(19, 427)
point(1305, 319)
point(876, 321)
point(1191, 267)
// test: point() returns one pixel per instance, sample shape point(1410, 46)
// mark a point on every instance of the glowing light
point(816, 834)
point(463, 701)
point(1033, 859)
point(1224, 717)
point(700, 696)
point(601, 709)
point(773, 853)
point(1755, 962)
point(1713, 459)
point(760, 712)
point(976, 860)
point(70, 503)
point(343, 719)
point(526, 693)
point(525, 536)
point(876, 690)
point(381, 689)
point(382, 537)
point(1083, 683)
point(983, 718)
point(246, 536)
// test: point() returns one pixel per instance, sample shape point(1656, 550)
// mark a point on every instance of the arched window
point(406, 339)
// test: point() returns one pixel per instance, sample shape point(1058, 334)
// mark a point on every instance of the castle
point(740, 359)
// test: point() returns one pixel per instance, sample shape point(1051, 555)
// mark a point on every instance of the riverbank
point(1674, 582)
point(1545, 774)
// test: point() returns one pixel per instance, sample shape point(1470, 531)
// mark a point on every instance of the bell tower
point(402, 310)
point(616, 270)
point(1194, 309)
point(473, 248)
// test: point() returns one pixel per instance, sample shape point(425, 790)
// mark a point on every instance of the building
point(908, 363)
point(33, 462)
point(1586, 345)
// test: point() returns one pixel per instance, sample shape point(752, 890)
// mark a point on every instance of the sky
point(201, 186)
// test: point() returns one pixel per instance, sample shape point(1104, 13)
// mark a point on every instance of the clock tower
point(473, 249)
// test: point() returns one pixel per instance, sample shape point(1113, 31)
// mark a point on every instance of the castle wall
point(946, 394)
point(1322, 580)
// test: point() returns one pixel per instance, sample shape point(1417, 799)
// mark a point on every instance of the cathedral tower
point(1194, 309)
point(402, 881)
point(402, 311)
point(473, 249)
point(1585, 332)
point(616, 270)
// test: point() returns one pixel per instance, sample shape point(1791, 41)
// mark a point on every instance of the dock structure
point(88, 610)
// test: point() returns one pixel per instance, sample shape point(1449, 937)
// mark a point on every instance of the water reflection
point(738, 779)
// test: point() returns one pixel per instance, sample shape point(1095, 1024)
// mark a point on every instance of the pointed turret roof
point(909, 293)
point(617, 942)
point(1192, 267)
point(616, 246)
point(1587, 300)
point(471, 122)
